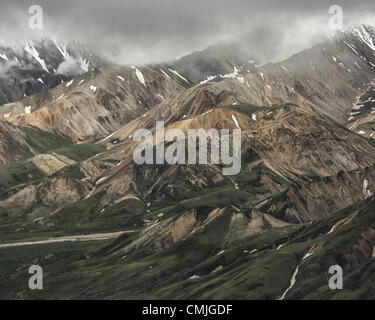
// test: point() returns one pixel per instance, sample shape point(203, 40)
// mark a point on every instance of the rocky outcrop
point(51, 193)
point(363, 252)
point(321, 197)
point(51, 163)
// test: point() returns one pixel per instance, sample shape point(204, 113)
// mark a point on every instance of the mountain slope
point(303, 200)
point(41, 65)
point(96, 104)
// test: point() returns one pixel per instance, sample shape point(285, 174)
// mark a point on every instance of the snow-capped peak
point(84, 64)
point(62, 48)
point(29, 48)
point(364, 35)
point(4, 56)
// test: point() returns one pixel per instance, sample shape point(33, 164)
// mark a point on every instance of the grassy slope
point(261, 275)
point(21, 172)
point(42, 141)
point(80, 152)
point(55, 259)
point(249, 109)
point(17, 175)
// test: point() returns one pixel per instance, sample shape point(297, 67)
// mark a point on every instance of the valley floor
point(260, 266)
point(73, 238)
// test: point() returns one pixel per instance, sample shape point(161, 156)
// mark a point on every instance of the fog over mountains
point(73, 96)
point(170, 29)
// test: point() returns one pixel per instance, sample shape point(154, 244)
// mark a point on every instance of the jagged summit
point(42, 64)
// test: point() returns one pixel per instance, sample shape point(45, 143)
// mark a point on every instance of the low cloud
point(70, 67)
point(5, 67)
point(145, 31)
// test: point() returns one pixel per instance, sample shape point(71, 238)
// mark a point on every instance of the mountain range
point(303, 201)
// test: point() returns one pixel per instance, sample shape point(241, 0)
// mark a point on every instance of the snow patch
point(241, 80)
point(281, 246)
point(221, 252)
point(292, 283)
point(62, 48)
point(29, 48)
point(60, 97)
point(140, 77)
point(352, 48)
point(294, 276)
point(219, 268)
point(101, 180)
point(235, 121)
point(208, 79)
point(84, 64)
point(177, 74)
point(111, 135)
point(365, 37)
point(234, 75)
point(163, 72)
point(308, 254)
point(4, 56)
point(203, 114)
point(69, 83)
point(366, 192)
point(354, 125)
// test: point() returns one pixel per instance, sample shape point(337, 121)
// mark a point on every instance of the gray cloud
point(69, 67)
point(144, 31)
point(4, 68)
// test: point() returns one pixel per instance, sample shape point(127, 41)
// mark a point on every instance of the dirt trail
point(86, 237)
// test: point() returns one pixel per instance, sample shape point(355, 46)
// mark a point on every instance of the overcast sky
point(144, 31)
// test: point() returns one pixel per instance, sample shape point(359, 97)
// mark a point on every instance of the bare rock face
point(319, 161)
point(61, 191)
point(363, 251)
point(362, 116)
point(96, 104)
point(13, 145)
point(243, 226)
point(160, 235)
point(298, 143)
point(324, 79)
point(318, 198)
point(51, 193)
point(51, 163)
